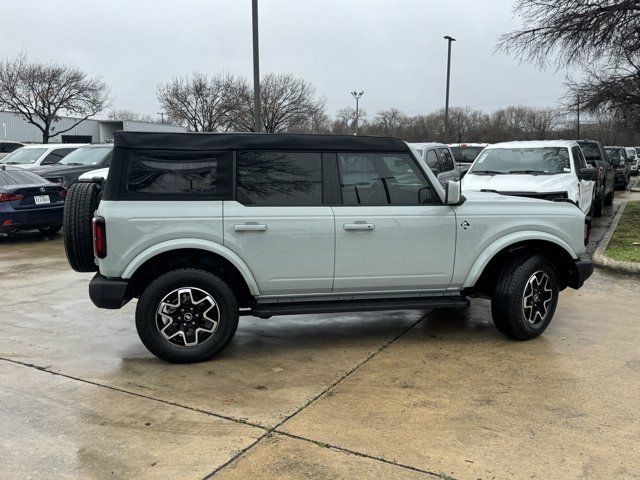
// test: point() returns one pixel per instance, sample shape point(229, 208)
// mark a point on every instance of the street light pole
point(161, 117)
point(357, 96)
point(257, 121)
point(446, 104)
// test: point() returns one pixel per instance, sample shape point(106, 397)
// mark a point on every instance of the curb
point(602, 261)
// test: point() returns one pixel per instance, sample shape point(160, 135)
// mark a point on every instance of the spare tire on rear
point(82, 201)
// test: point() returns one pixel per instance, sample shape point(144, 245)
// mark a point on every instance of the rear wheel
point(608, 198)
point(598, 204)
point(81, 203)
point(186, 316)
point(525, 297)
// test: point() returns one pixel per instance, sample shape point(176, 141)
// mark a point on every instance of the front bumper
point(581, 271)
point(109, 293)
point(15, 220)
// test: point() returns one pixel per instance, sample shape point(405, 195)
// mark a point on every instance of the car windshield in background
point(535, 161)
point(466, 154)
point(86, 156)
point(23, 156)
point(590, 150)
point(615, 154)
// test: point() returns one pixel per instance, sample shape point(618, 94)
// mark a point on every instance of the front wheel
point(608, 198)
point(525, 297)
point(186, 316)
point(598, 204)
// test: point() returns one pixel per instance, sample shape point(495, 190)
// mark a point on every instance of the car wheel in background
point(51, 229)
point(186, 316)
point(81, 203)
point(608, 198)
point(598, 204)
point(525, 297)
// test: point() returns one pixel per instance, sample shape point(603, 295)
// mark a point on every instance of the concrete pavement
point(384, 395)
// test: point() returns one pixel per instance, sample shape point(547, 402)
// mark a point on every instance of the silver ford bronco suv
point(202, 228)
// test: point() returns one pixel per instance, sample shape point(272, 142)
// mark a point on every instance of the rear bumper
point(582, 270)
point(29, 219)
point(108, 292)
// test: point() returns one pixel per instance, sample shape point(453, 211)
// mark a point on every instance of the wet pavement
point(374, 395)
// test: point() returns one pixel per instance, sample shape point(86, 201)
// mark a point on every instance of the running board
point(266, 310)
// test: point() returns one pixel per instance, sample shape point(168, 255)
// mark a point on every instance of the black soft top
point(256, 141)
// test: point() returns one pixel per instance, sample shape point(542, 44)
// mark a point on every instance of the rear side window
point(179, 175)
point(432, 161)
point(447, 160)
point(279, 178)
point(381, 179)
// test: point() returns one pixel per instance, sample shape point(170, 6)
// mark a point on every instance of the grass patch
point(621, 247)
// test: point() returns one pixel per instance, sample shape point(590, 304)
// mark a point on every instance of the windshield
point(631, 153)
point(466, 154)
point(86, 156)
point(590, 151)
point(546, 160)
point(615, 154)
point(23, 156)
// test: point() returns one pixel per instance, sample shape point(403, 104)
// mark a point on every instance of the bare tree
point(287, 102)
point(204, 103)
point(43, 92)
point(599, 35)
point(125, 114)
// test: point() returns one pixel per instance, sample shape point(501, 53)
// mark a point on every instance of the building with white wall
point(13, 126)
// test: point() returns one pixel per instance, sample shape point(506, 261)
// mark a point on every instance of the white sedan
point(549, 170)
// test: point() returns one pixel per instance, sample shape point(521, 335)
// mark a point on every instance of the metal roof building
point(13, 126)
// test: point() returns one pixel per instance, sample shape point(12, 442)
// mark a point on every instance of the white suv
point(202, 228)
point(39, 155)
point(551, 170)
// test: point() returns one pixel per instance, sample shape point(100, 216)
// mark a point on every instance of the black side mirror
point(587, 174)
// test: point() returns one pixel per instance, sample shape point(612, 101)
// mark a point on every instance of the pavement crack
point(139, 395)
point(364, 455)
point(353, 370)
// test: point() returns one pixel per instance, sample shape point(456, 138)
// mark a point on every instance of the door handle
point(250, 227)
point(360, 226)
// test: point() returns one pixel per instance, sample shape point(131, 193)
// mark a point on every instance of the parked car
point(7, 146)
point(596, 156)
point(635, 166)
point(84, 159)
point(465, 154)
point(37, 155)
point(29, 202)
point(203, 228)
point(618, 155)
point(550, 170)
point(440, 160)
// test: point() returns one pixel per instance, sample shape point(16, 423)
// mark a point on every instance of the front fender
point(503, 242)
point(193, 243)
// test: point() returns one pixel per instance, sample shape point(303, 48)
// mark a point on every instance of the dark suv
point(595, 155)
point(618, 156)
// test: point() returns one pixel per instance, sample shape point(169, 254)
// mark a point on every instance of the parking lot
point(385, 394)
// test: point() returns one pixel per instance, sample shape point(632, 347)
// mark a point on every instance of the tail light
point(10, 197)
point(99, 238)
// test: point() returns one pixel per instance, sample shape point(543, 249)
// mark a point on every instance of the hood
point(91, 174)
point(517, 182)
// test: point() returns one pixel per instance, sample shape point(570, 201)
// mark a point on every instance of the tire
point(608, 198)
point(162, 295)
point(508, 305)
point(82, 201)
point(51, 229)
point(598, 204)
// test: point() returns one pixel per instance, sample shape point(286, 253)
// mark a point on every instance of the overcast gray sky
point(392, 49)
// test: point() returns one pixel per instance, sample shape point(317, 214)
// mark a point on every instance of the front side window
point(536, 161)
point(153, 174)
point(578, 159)
point(381, 179)
point(52, 158)
point(279, 178)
